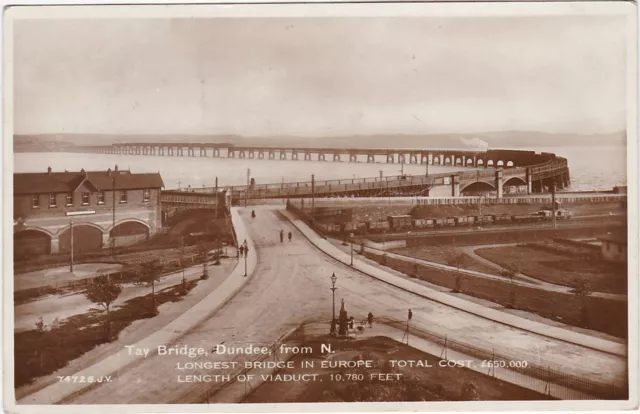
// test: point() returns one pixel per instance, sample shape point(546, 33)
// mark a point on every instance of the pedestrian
point(281, 236)
point(241, 251)
point(290, 235)
point(351, 323)
point(370, 319)
point(246, 251)
point(253, 214)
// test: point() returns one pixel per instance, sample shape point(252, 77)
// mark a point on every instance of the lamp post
point(333, 289)
point(351, 243)
point(246, 252)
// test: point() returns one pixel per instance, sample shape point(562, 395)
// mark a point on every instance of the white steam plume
point(475, 142)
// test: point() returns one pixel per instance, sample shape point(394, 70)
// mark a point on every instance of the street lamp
point(246, 252)
point(333, 289)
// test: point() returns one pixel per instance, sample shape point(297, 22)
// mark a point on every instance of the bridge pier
point(413, 159)
point(294, 155)
point(216, 153)
point(170, 150)
point(145, 150)
point(321, 156)
point(353, 158)
point(251, 154)
point(401, 159)
point(161, 150)
point(137, 150)
point(272, 155)
point(283, 155)
point(180, 151)
point(499, 182)
point(371, 158)
point(203, 152)
point(455, 186)
point(336, 157)
point(231, 153)
point(307, 156)
point(390, 159)
point(528, 180)
point(191, 152)
point(260, 155)
point(240, 154)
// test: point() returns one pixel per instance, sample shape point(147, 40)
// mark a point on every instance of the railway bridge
point(494, 171)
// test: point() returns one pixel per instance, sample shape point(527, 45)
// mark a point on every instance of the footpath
point(168, 335)
point(461, 304)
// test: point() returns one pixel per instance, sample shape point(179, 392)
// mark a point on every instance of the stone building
point(614, 247)
point(103, 209)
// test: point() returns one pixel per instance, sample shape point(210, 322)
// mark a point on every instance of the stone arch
point(86, 237)
point(469, 162)
point(447, 161)
point(144, 223)
point(31, 242)
point(509, 164)
point(459, 161)
point(490, 163)
point(514, 181)
point(129, 231)
point(480, 162)
point(500, 163)
point(478, 187)
point(435, 160)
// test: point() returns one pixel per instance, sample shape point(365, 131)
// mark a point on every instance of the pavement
point(290, 286)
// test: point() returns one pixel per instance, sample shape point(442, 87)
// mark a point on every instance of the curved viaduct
point(498, 169)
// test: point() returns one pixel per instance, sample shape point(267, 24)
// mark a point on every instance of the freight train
point(402, 223)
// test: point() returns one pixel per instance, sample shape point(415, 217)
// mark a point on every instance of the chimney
point(49, 170)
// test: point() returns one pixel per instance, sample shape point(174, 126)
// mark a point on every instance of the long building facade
point(101, 209)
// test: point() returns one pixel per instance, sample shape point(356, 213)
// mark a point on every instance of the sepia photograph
point(320, 207)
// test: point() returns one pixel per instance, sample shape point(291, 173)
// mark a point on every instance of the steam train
point(406, 222)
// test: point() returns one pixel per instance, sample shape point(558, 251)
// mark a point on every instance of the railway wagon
point(483, 219)
point(400, 222)
point(527, 218)
point(501, 218)
point(449, 222)
point(377, 226)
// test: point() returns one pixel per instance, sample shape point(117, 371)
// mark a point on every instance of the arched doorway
point(28, 244)
point(86, 238)
point(478, 188)
point(129, 232)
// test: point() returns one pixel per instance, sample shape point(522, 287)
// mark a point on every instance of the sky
point(320, 76)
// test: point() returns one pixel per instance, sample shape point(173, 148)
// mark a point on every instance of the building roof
point(614, 238)
point(66, 182)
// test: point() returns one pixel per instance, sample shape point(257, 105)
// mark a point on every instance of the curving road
point(289, 286)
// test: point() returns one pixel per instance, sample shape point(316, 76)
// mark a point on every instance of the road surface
point(290, 286)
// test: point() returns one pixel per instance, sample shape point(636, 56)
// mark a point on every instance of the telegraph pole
point(313, 196)
point(71, 231)
point(246, 197)
point(216, 194)
point(553, 203)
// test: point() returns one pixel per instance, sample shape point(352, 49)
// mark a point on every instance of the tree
point(103, 291)
point(151, 272)
point(457, 260)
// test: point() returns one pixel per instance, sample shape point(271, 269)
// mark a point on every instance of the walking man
point(370, 319)
point(290, 235)
point(281, 236)
point(241, 250)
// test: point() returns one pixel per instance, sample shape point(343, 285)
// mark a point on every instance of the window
point(101, 197)
point(69, 199)
point(146, 194)
point(52, 200)
point(35, 201)
point(85, 199)
point(123, 197)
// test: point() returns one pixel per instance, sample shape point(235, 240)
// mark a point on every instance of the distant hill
point(497, 139)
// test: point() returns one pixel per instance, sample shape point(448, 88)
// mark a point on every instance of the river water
point(594, 168)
